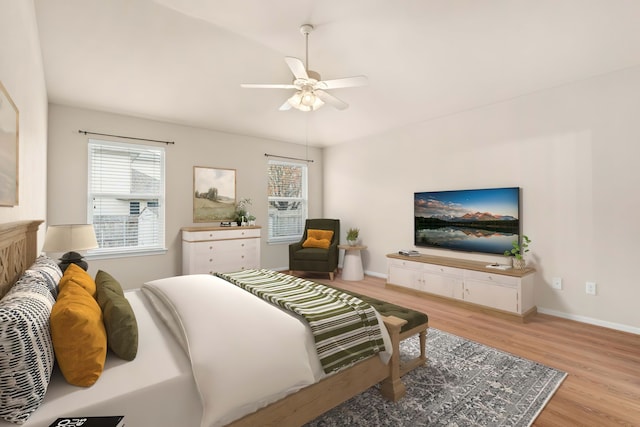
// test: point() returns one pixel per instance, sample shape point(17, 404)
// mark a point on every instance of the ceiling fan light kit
point(305, 101)
point(310, 88)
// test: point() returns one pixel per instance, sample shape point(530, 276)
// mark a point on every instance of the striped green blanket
point(344, 327)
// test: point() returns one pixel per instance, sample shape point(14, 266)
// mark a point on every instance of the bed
point(158, 387)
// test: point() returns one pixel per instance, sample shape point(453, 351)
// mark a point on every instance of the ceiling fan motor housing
point(306, 29)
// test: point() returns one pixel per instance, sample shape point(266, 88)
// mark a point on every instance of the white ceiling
point(182, 61)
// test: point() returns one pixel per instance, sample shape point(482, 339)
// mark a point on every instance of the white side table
point(352, 264)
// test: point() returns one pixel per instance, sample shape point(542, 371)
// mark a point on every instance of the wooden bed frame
point(18, 250)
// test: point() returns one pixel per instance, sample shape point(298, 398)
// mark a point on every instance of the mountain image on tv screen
point(484, 220)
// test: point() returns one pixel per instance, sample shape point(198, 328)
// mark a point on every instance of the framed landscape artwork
point(214, 194)
point(8, 150)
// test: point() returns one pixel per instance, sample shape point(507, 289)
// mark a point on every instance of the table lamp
point(70, 238)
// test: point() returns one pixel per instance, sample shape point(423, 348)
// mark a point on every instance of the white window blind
point(126, 197)
point(287, 197)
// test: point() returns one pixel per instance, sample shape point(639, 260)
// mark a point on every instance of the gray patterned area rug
point(463, 384)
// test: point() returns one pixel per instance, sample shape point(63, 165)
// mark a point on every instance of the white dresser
point(468, 282)
point(220, 249)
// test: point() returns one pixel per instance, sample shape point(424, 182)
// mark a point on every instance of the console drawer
point(499, 279)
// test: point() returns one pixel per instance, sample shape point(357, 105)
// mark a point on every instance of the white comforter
point(245, 353)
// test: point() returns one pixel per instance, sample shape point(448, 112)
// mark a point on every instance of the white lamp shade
point(70, 237)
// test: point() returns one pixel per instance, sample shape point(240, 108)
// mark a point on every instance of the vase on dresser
point(519, 264)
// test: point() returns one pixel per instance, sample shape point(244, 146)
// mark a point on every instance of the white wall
point(22, 75)
point(67, 181)
point(573, 150)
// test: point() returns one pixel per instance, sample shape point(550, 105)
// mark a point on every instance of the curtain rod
point(285, 157)
point(126, 137)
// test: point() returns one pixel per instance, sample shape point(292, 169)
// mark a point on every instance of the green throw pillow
point(119, 318)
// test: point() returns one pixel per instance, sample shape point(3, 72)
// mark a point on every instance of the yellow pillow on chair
point(318, 239)
point(320, 234)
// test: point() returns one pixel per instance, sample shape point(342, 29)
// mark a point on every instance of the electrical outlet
point(556, 283)
point(591, 288)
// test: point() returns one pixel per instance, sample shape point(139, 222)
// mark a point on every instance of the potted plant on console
point(518, 251)
point(352, 236)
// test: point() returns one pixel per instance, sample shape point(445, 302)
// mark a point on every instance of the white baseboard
point(590, 320)
point(375, 274)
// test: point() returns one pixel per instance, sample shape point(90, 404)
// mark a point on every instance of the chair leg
point(331, 275)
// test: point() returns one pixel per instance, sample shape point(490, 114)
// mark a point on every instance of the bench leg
point(420, 360)
point(392, 387)
point(423, 346)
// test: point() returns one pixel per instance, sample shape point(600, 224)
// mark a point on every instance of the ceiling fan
point(310, 88)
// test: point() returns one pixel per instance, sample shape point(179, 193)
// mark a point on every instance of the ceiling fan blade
point(297, 67)
point(327, 98)
point(344, 82)
point(267, 86)
point(286, 106)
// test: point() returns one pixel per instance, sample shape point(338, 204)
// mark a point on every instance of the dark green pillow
point(107, 281)
point(118, 316)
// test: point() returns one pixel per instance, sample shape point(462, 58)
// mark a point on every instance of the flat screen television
point(482, 220)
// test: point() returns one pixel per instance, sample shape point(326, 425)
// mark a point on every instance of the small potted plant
point(352, 236)
point(241, 211)
point(518, 251)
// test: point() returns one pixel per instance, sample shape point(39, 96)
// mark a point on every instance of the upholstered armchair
point(312, 253)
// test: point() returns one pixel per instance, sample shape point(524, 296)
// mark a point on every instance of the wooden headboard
point(18, 250)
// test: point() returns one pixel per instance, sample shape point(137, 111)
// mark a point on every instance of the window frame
point(159, 198)
point(304, 199)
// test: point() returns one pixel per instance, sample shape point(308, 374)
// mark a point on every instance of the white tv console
point(469, 283)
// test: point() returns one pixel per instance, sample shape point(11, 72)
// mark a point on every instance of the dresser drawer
point(232, 233)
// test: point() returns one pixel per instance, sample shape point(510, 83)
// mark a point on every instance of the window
point(287, 196)
point(126, 197)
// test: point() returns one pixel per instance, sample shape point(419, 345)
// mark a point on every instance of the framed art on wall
point(214, 194)
point(8, 149)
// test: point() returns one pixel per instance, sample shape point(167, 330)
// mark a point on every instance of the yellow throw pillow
point(320, 234)
point(78, 334)
point(76, 274)
point(312, 242)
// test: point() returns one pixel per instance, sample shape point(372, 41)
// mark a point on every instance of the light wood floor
point(603, 365)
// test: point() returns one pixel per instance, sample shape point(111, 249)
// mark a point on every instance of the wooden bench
point(417, 323)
